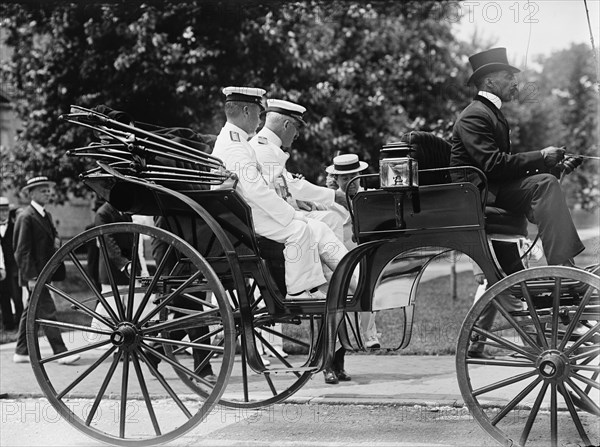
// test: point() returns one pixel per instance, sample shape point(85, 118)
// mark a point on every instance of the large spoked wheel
point(285, 344)
point(540, 366)
point(124, 390)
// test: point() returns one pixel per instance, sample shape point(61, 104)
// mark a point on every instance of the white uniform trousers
point(331, 218)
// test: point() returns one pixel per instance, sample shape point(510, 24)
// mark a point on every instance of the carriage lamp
point(398, 171)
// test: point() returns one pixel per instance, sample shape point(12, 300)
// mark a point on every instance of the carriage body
point(217, 280)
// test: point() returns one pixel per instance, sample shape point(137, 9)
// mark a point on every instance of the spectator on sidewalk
point(10, 292)
point(35, 241)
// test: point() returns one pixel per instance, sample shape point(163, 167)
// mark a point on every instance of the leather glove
point(571, 163)
point(552, 155)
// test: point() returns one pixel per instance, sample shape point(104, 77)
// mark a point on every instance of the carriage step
point(302, 370)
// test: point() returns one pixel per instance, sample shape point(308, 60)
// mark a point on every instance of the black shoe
point(479, 355)
point(342, 375)
point(330, 377)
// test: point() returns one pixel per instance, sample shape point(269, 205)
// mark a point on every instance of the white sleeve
point(305, 190)
point(253, 187)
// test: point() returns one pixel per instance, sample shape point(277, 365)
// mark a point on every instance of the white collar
point(271, 136)
point(39, 208)
point(493, 98)
point(232, 127)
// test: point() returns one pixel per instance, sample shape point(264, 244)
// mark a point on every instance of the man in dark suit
point(524, 182)
point(35, 241)
point(521, 182)
point(9, 286)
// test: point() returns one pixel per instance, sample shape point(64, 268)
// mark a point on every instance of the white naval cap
point(245, 94)
point(346, 164)
point(286, 108)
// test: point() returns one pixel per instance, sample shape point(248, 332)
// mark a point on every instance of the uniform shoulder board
point(263, 140)
point(234, 136)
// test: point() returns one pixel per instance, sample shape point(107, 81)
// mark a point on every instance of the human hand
point(571, 163)
point(31, 284)
point(553, 155)
point(298, 176)
point(340, 198)
point(306, 206)
point(2, 274)
point(331, 182)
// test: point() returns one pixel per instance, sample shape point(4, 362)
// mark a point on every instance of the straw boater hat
point(346, 164)
point(489, 61)
point(3, 202)
point(37, 181)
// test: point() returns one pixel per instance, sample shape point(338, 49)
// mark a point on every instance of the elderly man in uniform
point(283, 122)
point(273, 217)
point(35, 241)
point(520, 182)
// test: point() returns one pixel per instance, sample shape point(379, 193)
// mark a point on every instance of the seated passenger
point(283, 122)
point(273, 217)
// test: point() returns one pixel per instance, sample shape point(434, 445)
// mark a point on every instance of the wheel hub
point(552, 365)
point(125, 336)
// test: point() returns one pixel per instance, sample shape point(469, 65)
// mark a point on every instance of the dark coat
point(480, 138)
point(118, 245)
point(6, 242)
point(34, 241)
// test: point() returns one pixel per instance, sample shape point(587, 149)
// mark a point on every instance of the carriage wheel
point(286, 373)
point(124, 390)
point(545, 367)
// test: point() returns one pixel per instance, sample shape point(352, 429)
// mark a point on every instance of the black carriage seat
point(433, 152)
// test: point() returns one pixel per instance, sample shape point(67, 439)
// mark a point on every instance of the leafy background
point(367, 73)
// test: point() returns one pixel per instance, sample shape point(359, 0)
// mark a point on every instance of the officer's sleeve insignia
point(234, 136)
point(262, 140)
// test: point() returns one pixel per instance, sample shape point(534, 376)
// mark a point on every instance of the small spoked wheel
point(123, 389)
point(528, 358)
point(285, 344)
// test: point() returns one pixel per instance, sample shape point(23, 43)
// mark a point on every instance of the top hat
point(3, 202)
point(37, 181)
point(346, 164)
point(489, 61)
point(286, 108)
point(245, 94)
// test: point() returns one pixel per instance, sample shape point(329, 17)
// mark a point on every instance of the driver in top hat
point(520, 182)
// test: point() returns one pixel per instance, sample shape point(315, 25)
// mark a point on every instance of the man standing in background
point(9, 286)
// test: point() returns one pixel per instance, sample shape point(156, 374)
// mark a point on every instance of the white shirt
point(493, 98)
point(39, 208)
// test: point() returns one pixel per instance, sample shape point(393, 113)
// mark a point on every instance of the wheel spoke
point(177, 365)
point(272, 349)
point(575, 319)
point(153, 283)
point(555, 308)
point(584, 437)
point(132, 276)
point(102, 390)
point(111, 279)
point(514, 323)
point(513, 403)
point(534, 317)
point(591, 383)
point(588, 354)
point(188, 321)
point(80, 306)
point(86, 373)
point(533, 414)
point(177, 292)
point(505, 343)
point(202, 338)
point(584, 397)
point(124, 384)
point(187, 344)
point(553, 416)
point(73, 326)
point(503, 383)
point(294, 340)
point(165, 385)
point(146, 394)
point(200, 301)
point(584, 339)
point(93, 288)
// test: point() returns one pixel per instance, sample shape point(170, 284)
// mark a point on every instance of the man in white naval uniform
point(282, 126)
point(307, 241)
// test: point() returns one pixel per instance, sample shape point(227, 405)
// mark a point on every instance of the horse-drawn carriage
point(217, 289)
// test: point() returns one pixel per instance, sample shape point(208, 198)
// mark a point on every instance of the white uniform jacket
point(272, 159)
point(238, 156)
